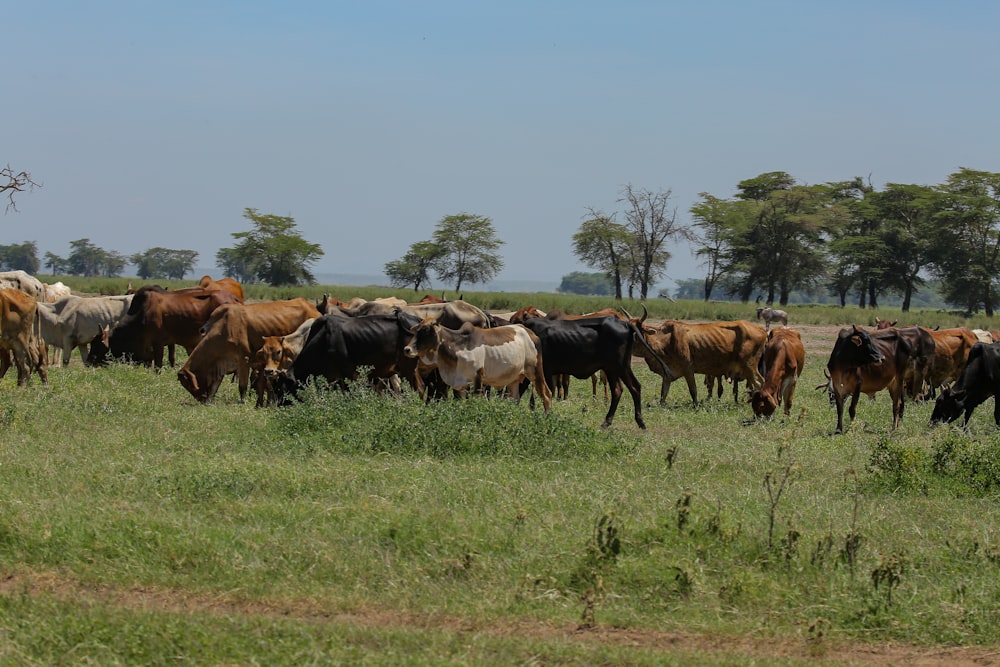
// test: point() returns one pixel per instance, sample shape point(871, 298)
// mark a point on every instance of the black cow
point(864, 362)
point(583, 347)
point(979, 380)
point(337, 347)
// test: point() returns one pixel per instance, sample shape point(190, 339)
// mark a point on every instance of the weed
point(888, 574)
point(683, 510)
point(775, 489)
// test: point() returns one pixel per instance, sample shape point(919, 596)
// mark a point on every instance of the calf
point(784, 357)
point(498, 357)
point(979, 380)
point(275, 357)
point(19, 335)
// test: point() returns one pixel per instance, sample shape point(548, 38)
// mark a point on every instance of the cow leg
point(839, 400)
point(692, 387)
point(171, 354)
point(664, 389)
point(243, 376)
point(631, 382)
point(5, 361)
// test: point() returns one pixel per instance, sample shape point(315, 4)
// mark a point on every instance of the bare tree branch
point(12, 183)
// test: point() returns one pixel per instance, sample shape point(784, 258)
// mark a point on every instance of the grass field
point(140, 527)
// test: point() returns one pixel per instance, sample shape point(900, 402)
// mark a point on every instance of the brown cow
point(784, 357)
point(713, 348)
point(275, 357)
point(884, 324)
point(233, 334)
point(230, 285)
point(20, 335)
point(867, 362)
point(951, 352)
point(159, 318)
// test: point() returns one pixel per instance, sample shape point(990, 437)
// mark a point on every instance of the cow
point(783, 359)
point(230, 285)
point(498, 357)
point(275, 357)
point(867, 362)
point(73, 321)
point(23, 281)
point(159, 319)
point(55, 291)
point(951, 350)
point(979, 380)
point(884, 324)
point(452, 314)
point(19, 335)
point(725, 348)
point(430, 298)
point(769, 315)
point(232, 335)
point(337, 347)
point(583, 347)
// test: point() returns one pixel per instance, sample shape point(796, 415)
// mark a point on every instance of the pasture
point(140, 527)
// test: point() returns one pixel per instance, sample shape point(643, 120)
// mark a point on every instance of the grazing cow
point(769, 315)
point(275, 357)
point(19, 335)
point(233, 334)
point(452, 314)
point(884, 324)
point(784, 357)
point(951, 351)
point(727, 348)
point(158, 319)
point(583, 347)
point(73, 321)
point(337, 347)
point(497, 357)
point(980, 379)
point(867, 362)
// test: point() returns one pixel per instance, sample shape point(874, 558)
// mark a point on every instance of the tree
point(164, 263)
point(22, 257)
point(717, 219)
point(87, 259)
point(967, 255)
point(605, 245)
point(586, 283)
point(468, 247)
point(272, 252)
point(414, 267)
point(13, 182)
point(652, 223)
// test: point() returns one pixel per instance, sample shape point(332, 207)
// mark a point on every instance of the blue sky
point(157, 123)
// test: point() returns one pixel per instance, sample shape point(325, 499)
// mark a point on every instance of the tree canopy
point(273, 251)
point(164, 263)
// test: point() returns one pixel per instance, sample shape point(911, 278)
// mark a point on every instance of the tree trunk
point(708, 288)
point(907, 295)
point(988, 299)
point(872, 300)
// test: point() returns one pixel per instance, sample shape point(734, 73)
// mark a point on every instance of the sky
point(158, 123)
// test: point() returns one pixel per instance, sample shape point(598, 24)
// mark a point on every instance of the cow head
point(854, 347)
point(424, 341)
point(949, 406)
point(202, 389)
point(763, 403)
point(884, 324)
point(100, 348)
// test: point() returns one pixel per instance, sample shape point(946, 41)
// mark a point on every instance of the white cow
point(73, 321)
point(55, 291)
point(21, 280)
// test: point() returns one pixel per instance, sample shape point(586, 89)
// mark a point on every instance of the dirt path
point(52, 585)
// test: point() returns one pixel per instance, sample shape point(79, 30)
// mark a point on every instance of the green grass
point(177, 532)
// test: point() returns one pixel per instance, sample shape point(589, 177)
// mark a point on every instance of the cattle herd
point(452, 347)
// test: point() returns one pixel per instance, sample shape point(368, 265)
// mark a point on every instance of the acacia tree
point(23, 256)
point(164, 263)
point(273, 252)
point(13, 182)
point(716, 218)
point(968, 253)
point(414, 267)
point(605, 245)
point(467, 246)
point(652, 223)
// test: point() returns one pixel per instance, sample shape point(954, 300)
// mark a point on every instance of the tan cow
point(784, 357)
point(500, 357)
point(713, 348)
point(275, 356)
point(233, 334)
point(951, 352)
point(19, 335)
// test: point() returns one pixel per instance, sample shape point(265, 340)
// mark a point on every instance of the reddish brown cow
point(951, 352)
point(224, 284)
point(784, 357)
point(233, 334)
point(158, 318)
point(884, 324)
point(20, 335)
point(867, 362)
point(275, 356)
